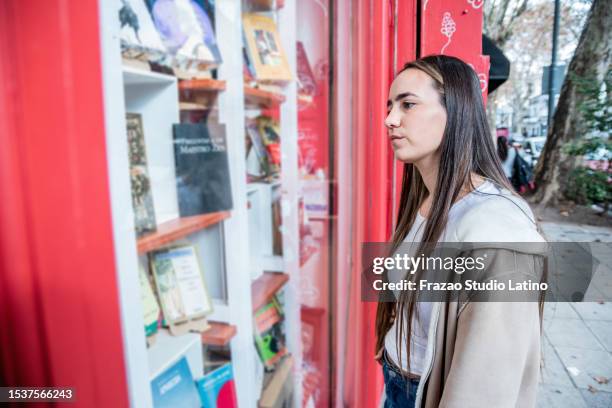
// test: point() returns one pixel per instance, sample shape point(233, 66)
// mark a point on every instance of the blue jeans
point(399, 390)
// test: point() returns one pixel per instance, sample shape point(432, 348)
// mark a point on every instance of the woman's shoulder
point(494, 214)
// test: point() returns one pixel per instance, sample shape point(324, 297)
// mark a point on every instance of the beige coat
point(487, 354)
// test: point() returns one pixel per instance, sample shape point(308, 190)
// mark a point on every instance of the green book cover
point(142, 196)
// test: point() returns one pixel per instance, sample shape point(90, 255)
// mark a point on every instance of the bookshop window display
point(219, 165)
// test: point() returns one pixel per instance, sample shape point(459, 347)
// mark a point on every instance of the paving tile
point(583, 365)
point(603, 331)
point(602, 280)
point(571, 333)
point(553, 372)
point(555, 396)
point(597, 399)
point(594, 310)
point(559, 310)
point(594, 292)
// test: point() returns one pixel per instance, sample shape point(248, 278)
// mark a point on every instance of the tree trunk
point(591, 59)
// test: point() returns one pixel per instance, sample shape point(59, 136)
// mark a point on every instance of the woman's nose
point(392, 120)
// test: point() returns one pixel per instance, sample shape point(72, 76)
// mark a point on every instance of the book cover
point(279, 387)
point(277, 222)
point(137, 31)
point(256, 146)
point(202, 169)
point(248, 71)
point(306, 80)
point(150, 308)
point(217, 388)
point(269, 336)
point(180, 284)
point(264, 49)
point(186, 28)
point(142, 197)
point(269, 131)
point(175, 387)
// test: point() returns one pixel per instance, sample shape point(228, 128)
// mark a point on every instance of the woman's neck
point(428, 169)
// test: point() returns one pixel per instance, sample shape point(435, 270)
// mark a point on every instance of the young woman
point(455, 354)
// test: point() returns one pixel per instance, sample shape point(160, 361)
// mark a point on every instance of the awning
point(500, 65)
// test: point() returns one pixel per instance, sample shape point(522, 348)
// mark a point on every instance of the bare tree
point(592, 60)
point(529, 50)
point(500, 17)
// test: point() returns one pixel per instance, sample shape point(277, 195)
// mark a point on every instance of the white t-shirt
point(420, 326)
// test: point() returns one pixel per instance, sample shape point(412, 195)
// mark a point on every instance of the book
point(248, 71)
point(186, 28)
point(306, 80)
point(269, 336)
point(138, 36)
point(265, 53)
point(175, 387)
point(202, 169)
point(278, 389)
point(277, 222)
point(150, 308)
point(142, 196)
point(217, 388)
point(256, 147)
point(181, 288)
point(269, 130)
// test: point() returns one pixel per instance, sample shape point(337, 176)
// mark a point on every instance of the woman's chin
point(405, 157)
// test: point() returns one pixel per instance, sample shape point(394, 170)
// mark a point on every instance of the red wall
point(58, 291)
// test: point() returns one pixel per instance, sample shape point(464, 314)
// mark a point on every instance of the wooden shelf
point(264, 287)
point(199, 93)
point(258, 98)
point(175, 229)
point(219, 334)
point(265, 5)
point(168, 349)
point(202, 85)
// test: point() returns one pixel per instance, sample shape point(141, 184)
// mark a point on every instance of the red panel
point(55, 231)
point(372, 168)
point(19, 348)
point(405, 51)
point(406, 32)
point(455, 28)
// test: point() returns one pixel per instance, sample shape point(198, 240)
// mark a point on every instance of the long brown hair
point(467, 148)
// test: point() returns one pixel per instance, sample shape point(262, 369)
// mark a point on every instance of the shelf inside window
point(176, 229)
point(264, 287)
point(258, 98)
point(134, 77)
point(200, 92)
point(265, 5)
point(202, 85)
point(168, 349)
point(219, 334)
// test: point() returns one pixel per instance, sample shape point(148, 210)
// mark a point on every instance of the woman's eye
point(407, 105)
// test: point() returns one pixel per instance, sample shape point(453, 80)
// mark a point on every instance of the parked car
point(598, 160)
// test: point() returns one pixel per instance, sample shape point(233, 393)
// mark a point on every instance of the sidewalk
point(577, 343)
